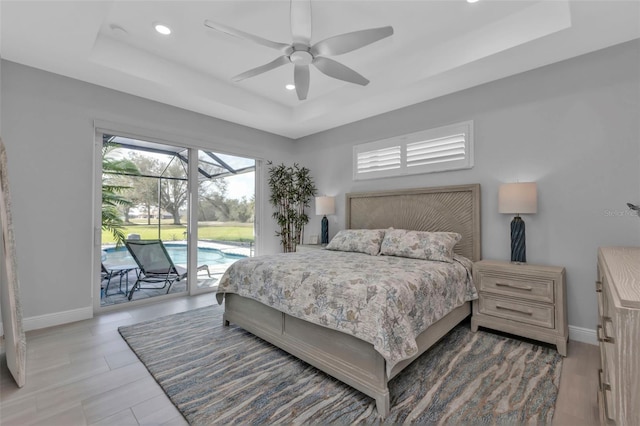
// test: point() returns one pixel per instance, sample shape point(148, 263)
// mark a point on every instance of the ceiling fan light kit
point(301, 57)
point(301, 53)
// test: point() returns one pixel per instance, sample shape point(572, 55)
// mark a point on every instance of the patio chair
point(155, 265)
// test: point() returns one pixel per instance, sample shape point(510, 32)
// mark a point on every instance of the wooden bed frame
point(347, 358)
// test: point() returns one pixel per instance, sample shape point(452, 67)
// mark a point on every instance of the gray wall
point(2, 278)
point(47, 125)
point(572, 127)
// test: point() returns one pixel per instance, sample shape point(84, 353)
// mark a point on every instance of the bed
point(337, 346)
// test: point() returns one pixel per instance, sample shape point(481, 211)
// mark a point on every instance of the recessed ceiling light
point(290, 86)
point(162, 29)
point(473, 1)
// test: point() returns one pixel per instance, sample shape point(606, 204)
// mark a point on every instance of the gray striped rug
point(222, 375)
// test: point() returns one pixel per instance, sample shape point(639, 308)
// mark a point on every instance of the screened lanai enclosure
point(152, 234)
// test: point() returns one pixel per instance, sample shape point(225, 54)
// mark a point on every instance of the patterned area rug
point(220, 375)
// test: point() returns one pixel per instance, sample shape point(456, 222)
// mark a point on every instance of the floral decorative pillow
point(420, 245)
point(358, 240)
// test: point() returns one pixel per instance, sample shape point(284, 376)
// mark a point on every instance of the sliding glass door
point(225, 214)
point(199, 216)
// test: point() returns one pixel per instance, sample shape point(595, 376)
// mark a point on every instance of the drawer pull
point(519, 287)
point(598, 286)
point(600, 330)
point(601, 385)
point(606, 320)
point(505, 308)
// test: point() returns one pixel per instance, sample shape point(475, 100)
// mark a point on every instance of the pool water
point(177, 252)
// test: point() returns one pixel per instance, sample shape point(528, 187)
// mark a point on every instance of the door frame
point(193, 145)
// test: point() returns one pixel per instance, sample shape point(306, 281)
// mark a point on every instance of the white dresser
point(618, 290)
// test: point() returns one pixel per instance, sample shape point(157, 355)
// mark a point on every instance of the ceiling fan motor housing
point(301, 57)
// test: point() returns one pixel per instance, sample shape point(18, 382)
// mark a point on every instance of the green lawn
point(231, 231)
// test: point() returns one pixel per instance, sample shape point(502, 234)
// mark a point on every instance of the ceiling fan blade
point(301, 80)
point(343, 43)
point(278, 62)
point(301, 22)
point(241, 34)
point(337, 70)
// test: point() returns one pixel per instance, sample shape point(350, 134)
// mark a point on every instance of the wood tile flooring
point(85, 374)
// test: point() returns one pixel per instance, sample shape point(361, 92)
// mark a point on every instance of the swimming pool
point(177, 252)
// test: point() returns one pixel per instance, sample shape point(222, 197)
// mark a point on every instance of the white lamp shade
point(325, 205)
point(518, 198)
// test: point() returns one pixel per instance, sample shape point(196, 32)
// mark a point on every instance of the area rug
point(225, 375)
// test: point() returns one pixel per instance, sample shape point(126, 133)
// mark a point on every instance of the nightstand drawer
point(540, 315)
point(520, 286)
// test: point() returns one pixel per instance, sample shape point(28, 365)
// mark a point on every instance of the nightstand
point(522, 299)
point(308, 247)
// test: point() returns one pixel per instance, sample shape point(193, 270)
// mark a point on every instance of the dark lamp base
point(518, 244)
point(324, 239)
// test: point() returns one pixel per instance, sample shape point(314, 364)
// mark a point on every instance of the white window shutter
point(379, 160)
point(434, 150)
point(449, 148)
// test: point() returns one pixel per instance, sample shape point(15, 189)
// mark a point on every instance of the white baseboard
point(579, 334)
point(57, 318)
point(584, 335)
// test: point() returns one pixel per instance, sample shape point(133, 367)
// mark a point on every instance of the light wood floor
point(84, 373)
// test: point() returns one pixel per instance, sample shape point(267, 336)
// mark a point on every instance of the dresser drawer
point(607, 385)
point(604, 401)
point(529, 313)
point(606, 310)
point(607, 341)
point(599, 298)
point(537, 289)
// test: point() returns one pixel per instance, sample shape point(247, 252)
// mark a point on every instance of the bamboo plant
point(291, 190)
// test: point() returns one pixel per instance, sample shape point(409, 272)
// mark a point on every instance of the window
point(434, 150)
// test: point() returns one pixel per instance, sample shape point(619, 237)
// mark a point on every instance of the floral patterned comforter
point(385, 300)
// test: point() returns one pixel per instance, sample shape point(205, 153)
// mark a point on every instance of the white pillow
point(357, 240)
point(436, 246)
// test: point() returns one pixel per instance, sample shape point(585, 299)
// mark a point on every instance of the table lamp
point(518, 198)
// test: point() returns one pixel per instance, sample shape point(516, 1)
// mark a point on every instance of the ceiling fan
point(301, 53)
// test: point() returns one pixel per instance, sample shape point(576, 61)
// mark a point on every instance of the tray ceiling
point(438, 47)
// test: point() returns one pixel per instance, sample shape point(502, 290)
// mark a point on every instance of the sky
point(241, 185)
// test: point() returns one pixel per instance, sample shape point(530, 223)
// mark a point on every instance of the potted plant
point(291, 189)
